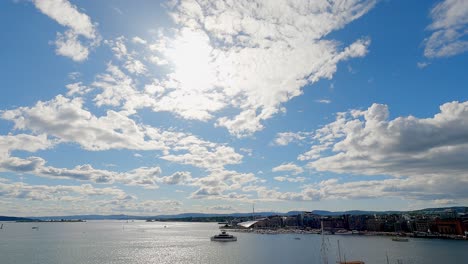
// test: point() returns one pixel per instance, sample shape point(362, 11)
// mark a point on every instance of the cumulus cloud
point(30, 143)
point(449, 29)
point(251, 56)
point(120, 50)
point(67, 120)
point(285, 138)
point(221, 208)
point(180, 177)
point(289, 167)
point(266, 194)
point(81, 199)
point(204, 155)
point(147, 177)
point(57, 192)
point(289, 179)
point(68, 45)
point(221, 184)
point(77, 89)
point(139, 40)
point(78, 24)
point(425, 156)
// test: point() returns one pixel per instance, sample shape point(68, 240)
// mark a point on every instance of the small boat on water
point(223, 237)
point(35, 227)
point(400, 239)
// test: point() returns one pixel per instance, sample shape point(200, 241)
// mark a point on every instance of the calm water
point(141, 242)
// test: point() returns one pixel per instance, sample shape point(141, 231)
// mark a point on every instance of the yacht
point(223, 237)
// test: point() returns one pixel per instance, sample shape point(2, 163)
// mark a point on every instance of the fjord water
point(152, 242)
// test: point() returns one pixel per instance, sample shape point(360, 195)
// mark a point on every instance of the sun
point(191, 55)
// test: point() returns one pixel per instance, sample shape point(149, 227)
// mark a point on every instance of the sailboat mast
point(253, 212)
point(339, 250)
point(323, 248)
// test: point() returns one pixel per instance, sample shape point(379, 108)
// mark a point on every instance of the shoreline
point(347, 233)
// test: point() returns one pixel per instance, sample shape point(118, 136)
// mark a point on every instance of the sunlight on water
point(141, 243)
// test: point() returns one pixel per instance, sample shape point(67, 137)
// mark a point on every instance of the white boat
point(223, 237)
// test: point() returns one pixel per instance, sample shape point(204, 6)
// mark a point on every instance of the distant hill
point(133, 217)
point(189, 216)
point(12, 218)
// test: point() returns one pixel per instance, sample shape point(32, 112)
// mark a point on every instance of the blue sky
point(153, 107)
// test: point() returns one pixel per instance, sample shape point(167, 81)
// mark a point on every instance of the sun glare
point(190, 54)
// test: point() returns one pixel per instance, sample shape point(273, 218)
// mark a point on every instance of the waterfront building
point(450, 226)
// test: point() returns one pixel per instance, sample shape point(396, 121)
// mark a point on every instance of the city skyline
point(167, 107)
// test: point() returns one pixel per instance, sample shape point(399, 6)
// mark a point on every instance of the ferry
point(223, 237)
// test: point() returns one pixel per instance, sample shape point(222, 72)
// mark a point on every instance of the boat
point(35, 227)
point(223, 237)
point(400, 239)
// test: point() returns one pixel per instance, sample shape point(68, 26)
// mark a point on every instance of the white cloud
point(285, 138)
point(216, 51)
point(66, 120)
point(147, 177)
point(69, 46)
point(323, 101)
point(120, 50)
point(289, 179)
point(449, 26)
point(203, 154)
point(424, 154)
point(77, 88)
point(265, 194)
point(221, 183)
point(57, 192)
point(289, 167)
point(78, 24)
point(221, 208)
point(135, 66)
point(139, 40)
point(30, 143)
point(67, 15)
point(180, 177)
point(422, 65)
point(81, 199)
point(248, 151)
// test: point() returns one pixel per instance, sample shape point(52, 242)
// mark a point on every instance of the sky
point(167, 107)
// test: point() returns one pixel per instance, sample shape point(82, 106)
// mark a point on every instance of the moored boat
point(400, 239)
